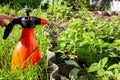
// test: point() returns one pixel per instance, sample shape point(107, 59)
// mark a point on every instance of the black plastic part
point(27, 12)
point(9, 28)
point(24, 21)
point(29, 22)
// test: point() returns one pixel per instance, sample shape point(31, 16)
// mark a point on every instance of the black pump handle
point(9, 27)
point(24, 23)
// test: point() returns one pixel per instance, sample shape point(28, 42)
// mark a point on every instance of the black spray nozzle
point(27, 12)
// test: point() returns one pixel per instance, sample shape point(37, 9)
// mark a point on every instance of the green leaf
point(82, 77)
point(113, 66)
point(102, 62)
point(117, 41)
point(73, 73)
point(94, 67)
point(109, 73)
point(75, 22)
point(105, 44)
point(72, 62)
point(57, 49)
point(118, 76)
point(101, 72)
point(63, 45)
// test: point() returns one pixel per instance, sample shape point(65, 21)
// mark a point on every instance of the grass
point(37, 72)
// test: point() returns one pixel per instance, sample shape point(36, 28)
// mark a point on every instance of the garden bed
point(61, 70)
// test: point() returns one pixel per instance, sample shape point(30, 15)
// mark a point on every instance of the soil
point(63, 72)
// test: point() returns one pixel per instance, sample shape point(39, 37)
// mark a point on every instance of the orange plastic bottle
point(26, 53)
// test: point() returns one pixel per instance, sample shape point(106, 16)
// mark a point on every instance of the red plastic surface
point(43, 21)
point(26, 52)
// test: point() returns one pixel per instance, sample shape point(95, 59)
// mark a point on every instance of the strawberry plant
point(105, 73)
point(89, 39)
point(96, 71)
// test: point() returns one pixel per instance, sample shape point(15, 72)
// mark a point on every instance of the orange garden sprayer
point(26, 51)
